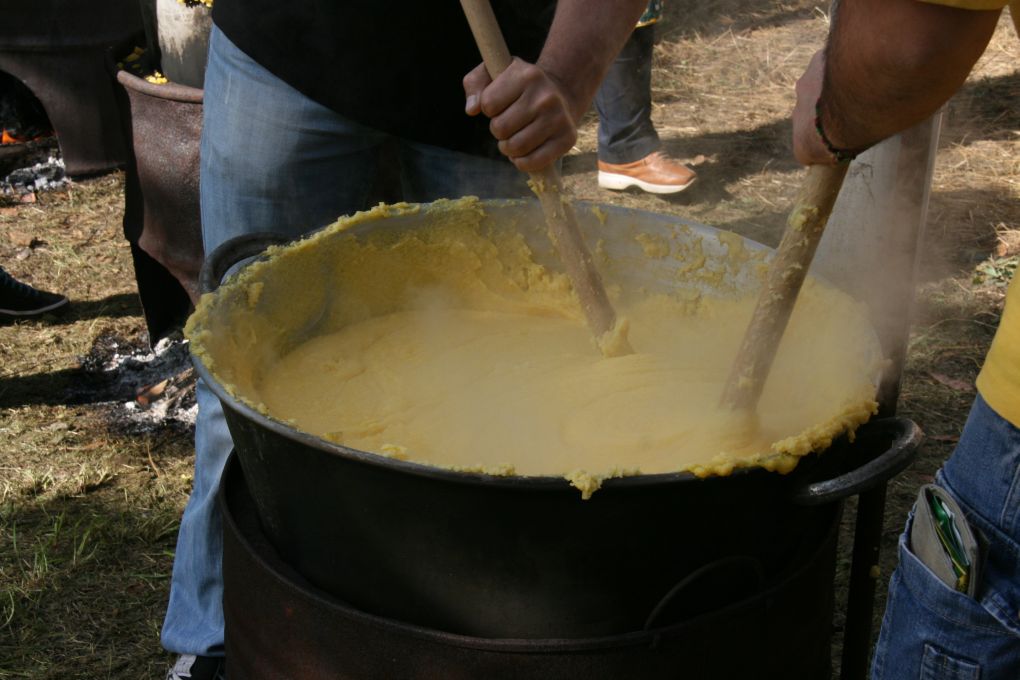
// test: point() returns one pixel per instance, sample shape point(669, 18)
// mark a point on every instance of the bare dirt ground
point(90, 499)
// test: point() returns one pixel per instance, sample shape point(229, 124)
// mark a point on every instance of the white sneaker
point(191, 667)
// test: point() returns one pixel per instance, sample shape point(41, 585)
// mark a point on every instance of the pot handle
point(904, 435)
point(232, 251)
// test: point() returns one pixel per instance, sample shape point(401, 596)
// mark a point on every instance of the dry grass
point(88, 513)
point(87, 525)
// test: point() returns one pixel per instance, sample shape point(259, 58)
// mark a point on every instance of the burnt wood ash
point(42, 176)
point(139, 390)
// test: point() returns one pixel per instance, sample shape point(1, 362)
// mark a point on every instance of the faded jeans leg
point(624, 103)
point(931, 631)
point(272, 160)
point(194, 617)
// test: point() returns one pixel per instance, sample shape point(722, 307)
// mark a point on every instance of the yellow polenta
point(457, 344)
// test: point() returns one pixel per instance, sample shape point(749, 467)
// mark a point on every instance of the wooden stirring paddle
point(561, 221)
point(804, 228)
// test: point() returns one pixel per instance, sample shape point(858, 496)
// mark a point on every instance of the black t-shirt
point(393, 66)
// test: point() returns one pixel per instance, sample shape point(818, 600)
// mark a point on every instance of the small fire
point(14, 137)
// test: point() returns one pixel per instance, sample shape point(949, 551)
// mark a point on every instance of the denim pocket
point(938, 601)
point(936, 665)
point(932, 632)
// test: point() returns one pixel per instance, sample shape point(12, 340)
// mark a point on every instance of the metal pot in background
point(162, 217)
point(58, 49)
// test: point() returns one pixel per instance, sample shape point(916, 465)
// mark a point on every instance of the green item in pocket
point(943, 540)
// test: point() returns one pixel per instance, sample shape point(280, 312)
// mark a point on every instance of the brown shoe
point(656, 173)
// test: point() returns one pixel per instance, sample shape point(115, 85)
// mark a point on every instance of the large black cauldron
point(280, 626)
point(525, 557)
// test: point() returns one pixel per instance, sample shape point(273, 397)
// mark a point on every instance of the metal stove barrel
point(278, 625)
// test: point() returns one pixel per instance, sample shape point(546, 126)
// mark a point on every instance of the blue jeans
point(273, 160)
point(624, 103)
point(932, 632)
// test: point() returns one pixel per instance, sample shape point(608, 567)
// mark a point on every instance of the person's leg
point(624, 102)
point(628, 146)
point(271, 160)
point(929, 629)
point(194, 617)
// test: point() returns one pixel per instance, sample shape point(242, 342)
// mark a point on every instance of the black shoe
point(191, 667)
point(21, 301)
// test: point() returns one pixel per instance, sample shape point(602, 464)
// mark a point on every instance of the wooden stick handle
point(786, 274)
point(564, 231)
point(488, 37)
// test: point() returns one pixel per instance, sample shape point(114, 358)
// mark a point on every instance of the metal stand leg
point(864, 574)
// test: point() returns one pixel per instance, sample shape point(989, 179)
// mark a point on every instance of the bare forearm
point(585, 37)
point(890, 64)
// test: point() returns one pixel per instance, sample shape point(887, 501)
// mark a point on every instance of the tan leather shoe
point(656, 173)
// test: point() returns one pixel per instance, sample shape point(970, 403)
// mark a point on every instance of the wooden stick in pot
point(561, 221)
point(804, 228)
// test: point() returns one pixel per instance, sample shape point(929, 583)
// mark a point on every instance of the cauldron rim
point(169, 90)
point(750, 469)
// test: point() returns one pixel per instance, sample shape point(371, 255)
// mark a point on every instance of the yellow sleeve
point(999, 380)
